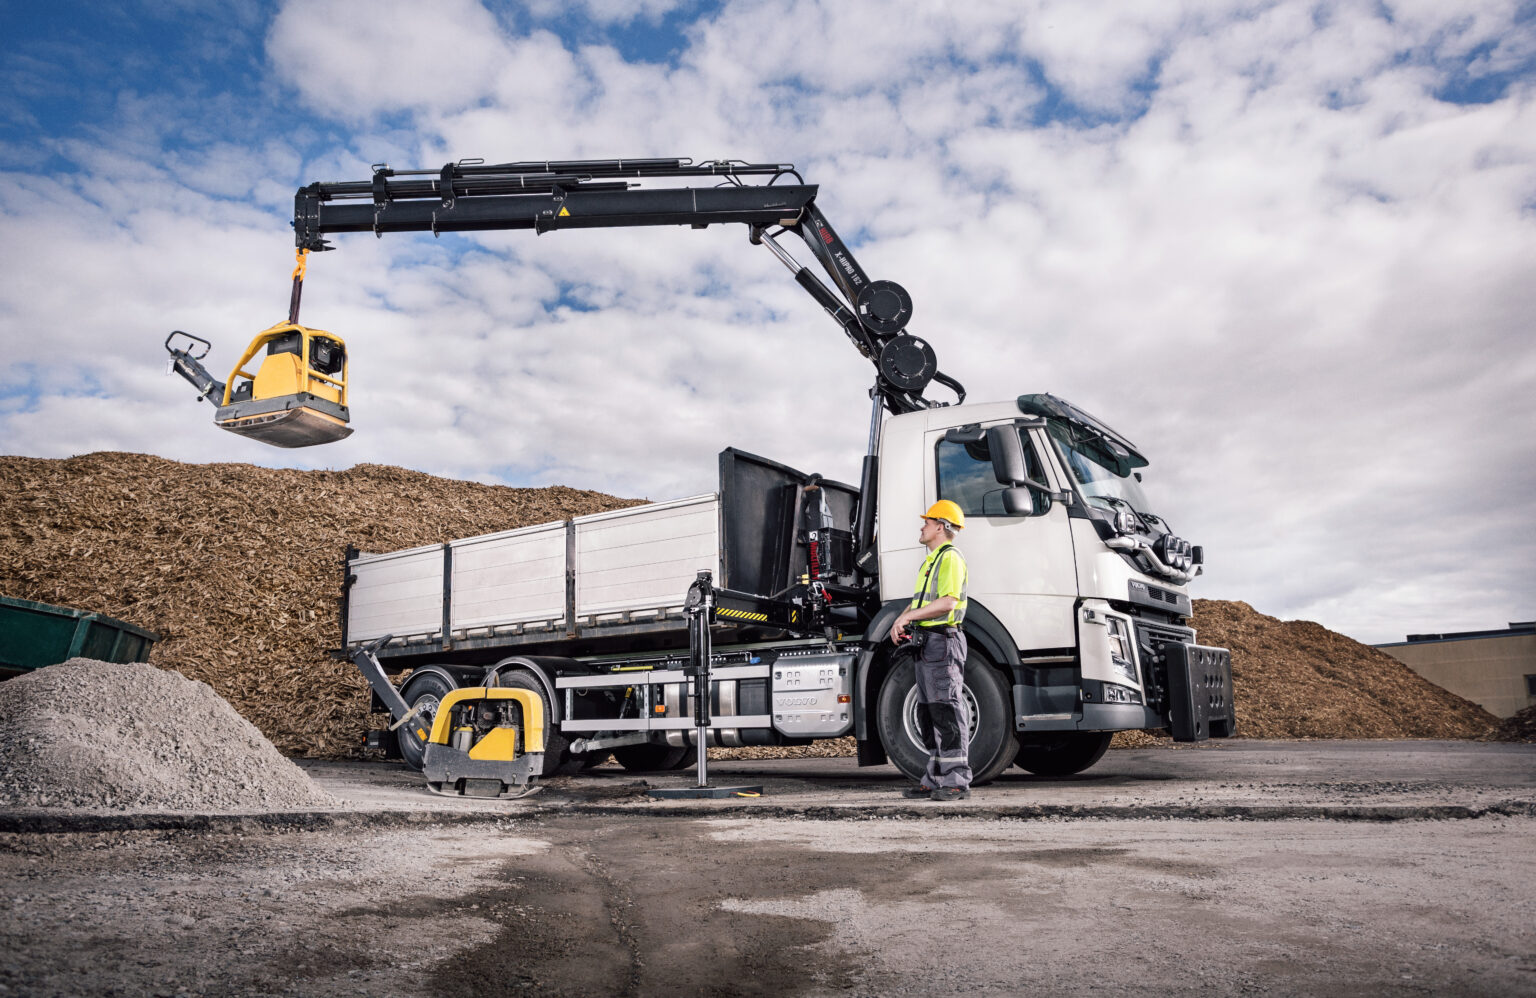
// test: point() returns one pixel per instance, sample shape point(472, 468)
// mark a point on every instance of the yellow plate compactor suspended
point(297, 397)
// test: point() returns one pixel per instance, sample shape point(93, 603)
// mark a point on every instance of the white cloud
point(1283, 267)
point(352, 61)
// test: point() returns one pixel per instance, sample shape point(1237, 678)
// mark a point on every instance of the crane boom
point(545, 196)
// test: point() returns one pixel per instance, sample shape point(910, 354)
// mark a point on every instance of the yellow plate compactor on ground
point(486, 741)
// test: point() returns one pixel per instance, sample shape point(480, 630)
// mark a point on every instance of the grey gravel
point(108, 736)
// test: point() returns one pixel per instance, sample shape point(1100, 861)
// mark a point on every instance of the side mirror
point(1007, 454)
point(1019, 501)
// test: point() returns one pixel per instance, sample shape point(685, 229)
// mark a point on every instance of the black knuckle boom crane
point(288, 403)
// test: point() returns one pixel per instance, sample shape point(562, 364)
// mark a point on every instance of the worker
point(938, 648)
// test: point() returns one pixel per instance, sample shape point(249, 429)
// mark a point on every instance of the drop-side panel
point(399, 593)
point(645, 557)
point(513, 577)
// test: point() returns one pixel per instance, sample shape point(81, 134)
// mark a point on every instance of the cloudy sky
point(1288, 249)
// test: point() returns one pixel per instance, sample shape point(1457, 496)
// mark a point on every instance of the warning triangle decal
point(564, 213)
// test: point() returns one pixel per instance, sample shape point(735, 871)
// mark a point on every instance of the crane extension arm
point(470, 196)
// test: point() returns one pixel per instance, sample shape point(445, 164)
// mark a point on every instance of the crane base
point(684, 793)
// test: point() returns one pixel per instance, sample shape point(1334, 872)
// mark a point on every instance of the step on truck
point(1078, 604)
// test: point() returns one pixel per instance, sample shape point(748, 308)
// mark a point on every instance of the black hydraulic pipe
point(838, 309)
point(835, 256)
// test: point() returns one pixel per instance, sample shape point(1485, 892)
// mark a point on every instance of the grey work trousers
point(943, 719)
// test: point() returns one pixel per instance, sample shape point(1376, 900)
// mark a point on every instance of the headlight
point(1121, 655)
point(1125, 522)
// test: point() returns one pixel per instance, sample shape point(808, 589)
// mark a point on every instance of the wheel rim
point(909, 716)
point(426, 713)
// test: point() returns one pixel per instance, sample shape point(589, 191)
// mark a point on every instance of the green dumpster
point(33, 635)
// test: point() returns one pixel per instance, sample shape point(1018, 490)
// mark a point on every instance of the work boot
point(918, 792)
point(950, 793)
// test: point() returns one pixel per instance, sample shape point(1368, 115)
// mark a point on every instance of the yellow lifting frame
point(531, 702)
point(311, 375)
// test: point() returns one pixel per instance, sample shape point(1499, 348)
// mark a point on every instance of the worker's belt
point(937, 629)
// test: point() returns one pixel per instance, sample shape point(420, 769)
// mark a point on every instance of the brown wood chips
point(238, 569)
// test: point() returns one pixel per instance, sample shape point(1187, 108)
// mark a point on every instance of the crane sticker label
point(563, 213)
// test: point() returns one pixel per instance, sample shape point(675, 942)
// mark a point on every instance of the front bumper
point(1199, 692)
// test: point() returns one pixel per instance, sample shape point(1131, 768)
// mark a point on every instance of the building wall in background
point(1495, 669)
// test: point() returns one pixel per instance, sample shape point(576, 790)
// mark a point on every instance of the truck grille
point(1158, 598)
point(1150, 639)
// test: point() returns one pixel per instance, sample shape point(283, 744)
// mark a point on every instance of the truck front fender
point(982, 630)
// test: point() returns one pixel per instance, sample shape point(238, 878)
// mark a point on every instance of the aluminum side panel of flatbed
point(631, 571)
point(400, 593)
point(514, 577)
point(645, 557)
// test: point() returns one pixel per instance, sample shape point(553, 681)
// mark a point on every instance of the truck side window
point(966, 476)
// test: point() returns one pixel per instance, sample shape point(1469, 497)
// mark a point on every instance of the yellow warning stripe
point(743, 614)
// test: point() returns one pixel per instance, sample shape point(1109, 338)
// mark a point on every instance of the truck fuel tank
point(812, 694)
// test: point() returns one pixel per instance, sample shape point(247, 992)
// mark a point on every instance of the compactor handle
point(188, 351)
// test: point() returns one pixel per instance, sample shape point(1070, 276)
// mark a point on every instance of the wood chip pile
point(1519, 728)
point(238, 569)
point(1297, 679)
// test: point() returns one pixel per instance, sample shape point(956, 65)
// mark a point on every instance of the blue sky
point(1287, 248)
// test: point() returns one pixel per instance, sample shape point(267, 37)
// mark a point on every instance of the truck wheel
point(557, 756)
point(650, 758)
point(425, 691)
point(993, 745)
point(1062, 754)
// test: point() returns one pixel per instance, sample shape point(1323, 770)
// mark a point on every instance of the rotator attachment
point(301, 264)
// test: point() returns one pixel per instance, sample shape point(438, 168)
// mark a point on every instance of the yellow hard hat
point(948, 511)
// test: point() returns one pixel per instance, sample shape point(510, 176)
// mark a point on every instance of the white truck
point(1077, 620)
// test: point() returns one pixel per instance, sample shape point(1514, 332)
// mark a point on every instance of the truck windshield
point(1096, 470)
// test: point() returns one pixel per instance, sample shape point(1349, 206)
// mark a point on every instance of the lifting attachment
point(297, 397)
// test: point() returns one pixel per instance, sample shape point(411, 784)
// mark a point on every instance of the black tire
point(650, 758)
point(557, 748)
point(591, 760)
point(1062, 754)
point(427, 686)
point(993, 743)
point(688, 761)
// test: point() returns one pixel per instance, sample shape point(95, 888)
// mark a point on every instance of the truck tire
point(557, 755)
point(650, 758)
point(993, 744)
point(1062, 754)
point(427, 691)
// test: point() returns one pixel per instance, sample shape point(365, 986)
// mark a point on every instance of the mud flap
point(1199, 692)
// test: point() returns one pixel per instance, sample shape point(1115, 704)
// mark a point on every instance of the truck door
point(1022, 567)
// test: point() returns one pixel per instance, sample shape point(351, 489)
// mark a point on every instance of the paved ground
point(1117, 881)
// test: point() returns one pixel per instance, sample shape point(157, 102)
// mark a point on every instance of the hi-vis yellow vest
point(942, 576)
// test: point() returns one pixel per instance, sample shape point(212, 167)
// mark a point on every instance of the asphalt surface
point(1238, 868)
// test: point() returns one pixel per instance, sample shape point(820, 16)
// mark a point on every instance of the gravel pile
point(101, 735)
